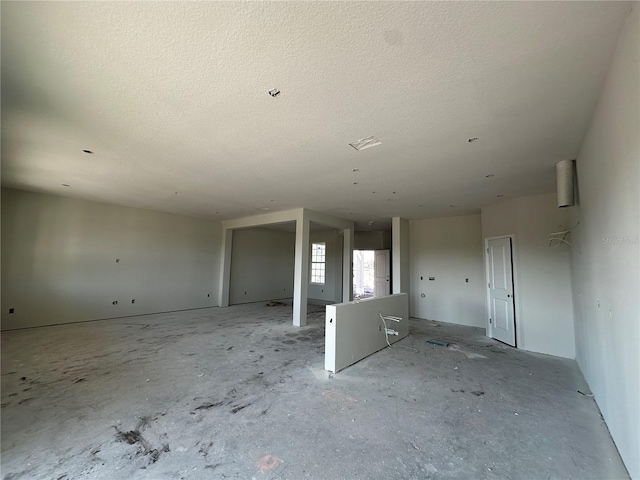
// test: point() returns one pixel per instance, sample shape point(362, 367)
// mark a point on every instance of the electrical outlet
point(115, 302)
point(133, 301)
point(11, 310)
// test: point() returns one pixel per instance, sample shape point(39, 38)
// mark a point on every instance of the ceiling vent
point(365, 143)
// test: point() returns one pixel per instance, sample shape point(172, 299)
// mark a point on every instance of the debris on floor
point(471, 355)
point(275, 303)
point(440, 343)
point(395, 414)
point(134, 437)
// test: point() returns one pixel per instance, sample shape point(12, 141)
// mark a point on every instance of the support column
point(347, 266)
point(225, 268)
point(400, 254)
point(301, 275)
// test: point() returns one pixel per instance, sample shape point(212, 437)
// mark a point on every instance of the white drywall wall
point(544, 309)
point(262, 263)
point(354, 330)
point(606, 260)
point(378, 240)
point(331, 291)
point(59, 260)
point(450, 250)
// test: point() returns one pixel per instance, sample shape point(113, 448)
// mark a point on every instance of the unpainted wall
point(377, 240)
point(354, 330)
point(66, 260)
point(450, 251)
point(262, 265)
point(606, 260)
point(331, 291)
point(544, 308)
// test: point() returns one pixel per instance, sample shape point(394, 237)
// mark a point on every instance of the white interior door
point(382, 268)
point(501, 305)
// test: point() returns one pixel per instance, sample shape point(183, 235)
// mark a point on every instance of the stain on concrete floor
point(241, 393)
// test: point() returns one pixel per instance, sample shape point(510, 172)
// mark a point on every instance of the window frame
point(318, 259)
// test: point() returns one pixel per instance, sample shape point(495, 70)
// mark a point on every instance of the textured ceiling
point(173, 97)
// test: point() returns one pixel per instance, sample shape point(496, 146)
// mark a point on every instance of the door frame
point(516, 288)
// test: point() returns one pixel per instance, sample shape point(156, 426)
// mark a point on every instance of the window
point(318, 252)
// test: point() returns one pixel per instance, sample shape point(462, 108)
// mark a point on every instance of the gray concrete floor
point(241, 393)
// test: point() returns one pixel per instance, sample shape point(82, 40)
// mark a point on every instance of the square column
point(400, 254)
point(347, 265)
point(225, 267)
point(301, 272)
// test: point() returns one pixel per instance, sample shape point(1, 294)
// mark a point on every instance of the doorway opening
point(371, 273)
point(363, 274)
